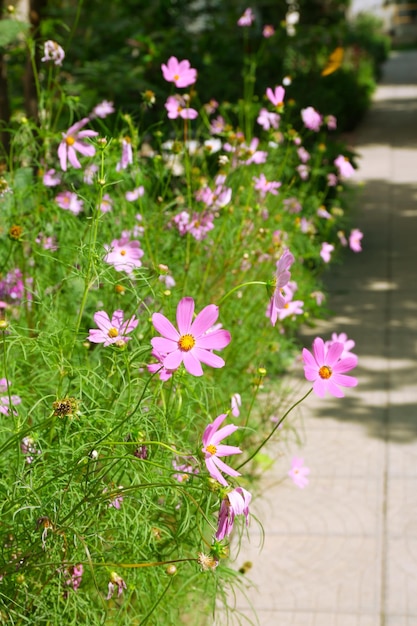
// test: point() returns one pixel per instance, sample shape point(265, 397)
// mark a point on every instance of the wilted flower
point(53, 52)
point(235, 502)
point(74, 576)
point(116, 581)
point(236, 402)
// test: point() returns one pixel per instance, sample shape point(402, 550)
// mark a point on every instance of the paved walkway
point(343, 551)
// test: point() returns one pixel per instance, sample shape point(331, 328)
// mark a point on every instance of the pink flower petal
point(205, 320)
point(345, 381)
point(164, 327)
point(224, 450)
point(346, 364)
point(102, 320)
point(222, 434)
point(192, 364)
point(318, 350)
point(225, 468)
point(185, 311)
point(214, 472)
point(334, 353)
point(164, 346)
point(320, 387)
point(173, 360)
point(215, 340)
point(334, 389)
point(208, 358)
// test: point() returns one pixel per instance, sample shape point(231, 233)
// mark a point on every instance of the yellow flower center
point(123, 252)
point(113, 332)
point(211, 449)
point(186, 343)
point(325, 372)
point(176, 77)
point(70, 141)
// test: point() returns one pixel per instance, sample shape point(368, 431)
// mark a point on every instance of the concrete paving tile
point(285, 618)
point(400, 620)
point(310, 573)
point(401, 581)
point(402, 508)
point(402, 459)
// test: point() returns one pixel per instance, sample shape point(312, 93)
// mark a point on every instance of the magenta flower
point(73, 142)
point(355, 238)
point(125, 255)
point(53, 52)
point(326, 368)
point(179, 72)
point(111, 330)
point(213, 449)
point(247, 18)
point(311, 118)
point(69, 201)
point(346, 169)
point(276, 97)
point(192, 344)
point(177, 107)
point(299, 472)
point(235, 502)
point(326, 251)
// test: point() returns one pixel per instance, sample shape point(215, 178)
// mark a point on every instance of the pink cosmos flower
point(89, 173)
point(217, 125)
point(355, 240)
point(192, 344)
point(153, 368)
point(268, 31)
point(116, 581)
point(268, 120)
point(53, 52)
point(346, 169)
point(303, 155)
point(51, 178)
point(323, 212)
point(213, 449)
point(106, 203)
point(318, 296)
point(331, 122)
point(331, 179)
point(326, 368)
point(311, 118)
point(235, 502)
point(292, 307)
point(282, 277)
point(276, 97)
point(136, 193)
point(254, 155)
point(69, 201)
point(179, 72)
point(326, 251)
point(247, 18)
point(348, 344)
point(125, 255)
point(264, 186)
point(73, 142)
point(6, 402)
point(236, 403)
point(177, 107)
point(103, 109)
point(127, 154)
point(303, 171)
point(112, 330)
point(299, 472)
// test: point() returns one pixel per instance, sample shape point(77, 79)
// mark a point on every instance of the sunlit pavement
point(343, 551)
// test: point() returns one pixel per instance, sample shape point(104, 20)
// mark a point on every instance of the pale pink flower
point(282, 277)
point(292, 307)
point(326, 251)
point(200, 225)
point(318, 296)
point(106, 203)
point(136, 193)
point(69, 201)
point(235, 502)
point(268, 120)
point(331, 179)
point(179, 72)
point(184, 470)
point(331, 122)
point(323, 212)
point(276, 96)
point(236, 403)
point(303, 155)
point(303, 170)
point(6, 402)
point(213, 449)
point(191, 344)
point(342, 237)
point(112, 330)
point(103, 109)
point(116, 581)
point(181, 220)
point(125, 255)
point(4, 385)
point(89, 173)
point(153, 368)
point(268, 31)
point(346, 170)
point(264, 186)
point(176, 106)
point(247, 18)
point(51, 178)
point(292, 205)
point(326, 368)
point(355, 240)
point(127, 154)
point(342, 338)
point(53, 52)
point(217, 125)
point(254, 155)
point(73, 142)
point(29, 449)
point(211, 106)
point(311, 118)
point(299, 472)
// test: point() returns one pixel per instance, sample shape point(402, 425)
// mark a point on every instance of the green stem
point(274, 429)
point(251, 282)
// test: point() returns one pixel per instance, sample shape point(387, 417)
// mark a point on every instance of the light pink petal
point(102, 320)
point(334, 389)
point(214, 472)
point(164, 346)
point(62, 155)
point(310, 373)
point(73, 130)
point(185, 312)
point(224, 450)
point(173, 360)
point(211, 428)
point(208, 358)
point(334, 353)
point(318, 350)
point(308, 359)
point(221, 434)
point(216, 340)
point(346, 364)
point(345, 381)
point(117, 318)
point(320, 387)
point(87, 133)
point(164, 327)
point(97, 336)
point(192, 364)
point(205, 320)
point(84, 148)
point(225, 468)
point(72, 157)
